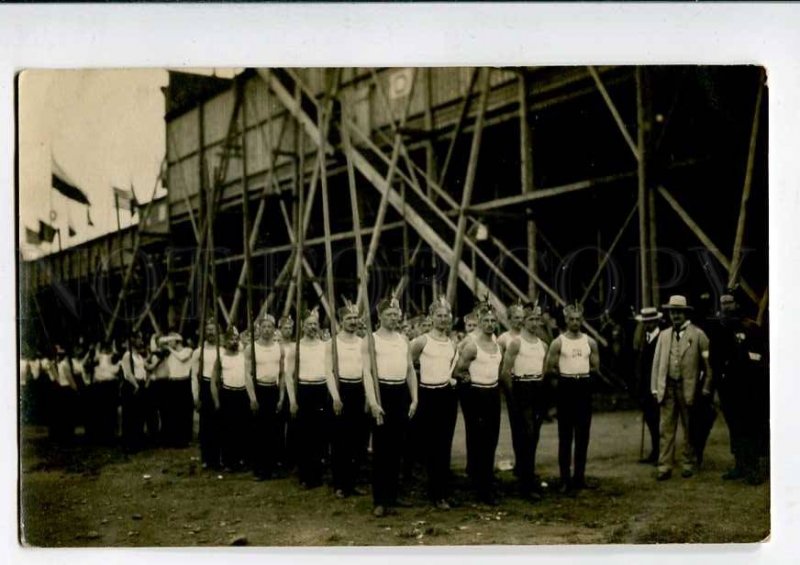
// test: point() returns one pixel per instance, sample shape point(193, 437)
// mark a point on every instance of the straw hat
point(676, 302)
point(648, 314)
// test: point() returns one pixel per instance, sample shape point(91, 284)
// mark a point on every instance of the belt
point(391, 382)
point(580, 376)
point(322, 382)
point(233, 388)
point(482, 385)
point(351, 380)
point(206, 379)
point(261, 383)
point(435, 386)
point(527, 378)
point(186, 378)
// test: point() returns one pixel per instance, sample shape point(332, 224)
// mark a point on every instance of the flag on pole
point(71, 231)
point(46, 232)
point(32, 237)
point(68, 188)
point(125, 200)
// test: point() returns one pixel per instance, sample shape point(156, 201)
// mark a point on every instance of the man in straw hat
point(681, 354)
point(645, 347)
point(438, 408)
point(397, 387)
point(574, 357)
point(522, 376)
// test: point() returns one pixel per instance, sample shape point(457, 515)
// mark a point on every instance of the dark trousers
point(155, 402)
point(526, 411)
point(702, 414)
point(743, 405)
point(177, 416)
point(63, 413)
point(483, 423)
point(348, 436)
point(312, 420)
point(266, 435)
point(651, 413)
point(209, 432)
point(387, 442)
point(574, 405)
point(102, 419)
point(462, 391)
point(133, 412)
point(235, 421)
point(436, 420)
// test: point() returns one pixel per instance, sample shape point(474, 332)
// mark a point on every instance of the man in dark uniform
point(645, 350)
point(739, 358)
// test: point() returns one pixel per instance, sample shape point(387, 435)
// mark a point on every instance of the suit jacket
point(691, 346)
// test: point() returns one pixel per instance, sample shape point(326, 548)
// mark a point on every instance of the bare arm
point(468, 354)
point(281, 381)
point(509, 358)
point(416, 348)
point(288, 372)
point(369, 384)
point(411, 380)
point(594, 356)
point(216, 376)
point(249, 378)
point(330, 378)
point(553, 353)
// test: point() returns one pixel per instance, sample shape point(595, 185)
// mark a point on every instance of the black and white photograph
point(393, 306)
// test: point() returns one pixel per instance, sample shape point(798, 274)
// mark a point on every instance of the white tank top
point(391, 355)
point(312, 361)
point(349, 355)
point(574, 359)
point(209, 358)
point(268, 363)
point(530, 359)
point(232, 370)
point(435, 361)
point(485, 368)
point(139, 371)
point(105, 370)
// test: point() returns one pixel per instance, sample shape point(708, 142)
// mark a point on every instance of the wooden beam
point(526, 176)
point(469, 184)
point(641, 154)
point(762, 307)
point(704, 239)
point(615, 113)
point(462, 117)
point(736, 258)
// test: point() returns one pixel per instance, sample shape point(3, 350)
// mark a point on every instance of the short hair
point(471, 317)
point(574, 308)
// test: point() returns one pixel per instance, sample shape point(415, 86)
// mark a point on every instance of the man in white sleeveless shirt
point(178, 415)
point(480, 358)
point(206, 397)
point(573, 357)
point(388, 354)
point(351, 423)
point(268, 375)
point(237, 400)
point(310, 404)
point(105, 394)
point(522, 376)
point(436, 417)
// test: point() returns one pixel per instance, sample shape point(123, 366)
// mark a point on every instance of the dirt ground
point(89, 497)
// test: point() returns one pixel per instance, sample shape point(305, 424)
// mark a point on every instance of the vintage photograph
point(393, 306)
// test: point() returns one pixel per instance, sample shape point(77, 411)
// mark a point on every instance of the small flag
point(125, 200)
point(71, 231)
point(46, 232)
point(63, 184)
point(32, 237)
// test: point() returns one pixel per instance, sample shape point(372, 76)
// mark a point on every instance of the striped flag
point(125, 199)
point(32, 237)
point(68, 188)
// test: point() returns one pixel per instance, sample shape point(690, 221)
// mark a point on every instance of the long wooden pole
point(736, 258)
point(469, 183)
point(360, 267)
point(644, 267)
point(384, 202)
point(247, 242)
point(635, 148)
point(326, 226)
point(526, 176)
point(462, 117)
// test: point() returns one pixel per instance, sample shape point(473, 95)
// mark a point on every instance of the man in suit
point(681, 353)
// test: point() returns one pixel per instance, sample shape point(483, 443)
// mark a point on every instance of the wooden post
point(469, 184)
point(736, 258)
point(462, 117)
point(762, 307)
point(526, 175)
point(635, 148)
point(654, 284)
point(326, 223)
point(642, 198)
point(247, 242)
point(384, 202)
point(360, 266)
